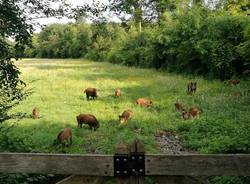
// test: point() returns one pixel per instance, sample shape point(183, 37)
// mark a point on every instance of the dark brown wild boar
point(64, 137)
point(191, 87)
point(126, 115)
point(144, 102)
point(91, 92)
point(35, 113)
point(233, 82)
point(118, 93)
point(89, 120)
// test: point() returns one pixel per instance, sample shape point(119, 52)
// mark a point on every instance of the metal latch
point(132, 164)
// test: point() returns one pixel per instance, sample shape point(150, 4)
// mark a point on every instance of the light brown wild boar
point(88, 119)
point(126, 115)
point(186, 115)
point(194, 112)
point(144, 102)
point(118, 93)
point(35, 113)
point(91, 92)
point(179, 106)
point(64, 137)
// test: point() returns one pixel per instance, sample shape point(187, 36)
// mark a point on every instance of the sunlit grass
point(58, 92)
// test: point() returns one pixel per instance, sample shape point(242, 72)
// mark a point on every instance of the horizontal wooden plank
point(91, 165)
point(198, 165)
point(102, 165)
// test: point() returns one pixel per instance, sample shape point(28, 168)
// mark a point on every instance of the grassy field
point(58, 86)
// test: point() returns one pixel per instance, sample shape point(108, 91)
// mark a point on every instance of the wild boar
point(91, 92)
point(88, 119)
point(179, 106)
point(35, 113)
point(118, 93)
point(64, 137)
point(233, 82)
point(191, 87)
point(194, 111)
point(186, 115)
point(126, 115)
point(144, 102)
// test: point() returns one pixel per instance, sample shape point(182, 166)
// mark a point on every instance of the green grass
point(58, 86)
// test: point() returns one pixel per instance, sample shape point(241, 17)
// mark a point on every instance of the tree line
point(197, 39)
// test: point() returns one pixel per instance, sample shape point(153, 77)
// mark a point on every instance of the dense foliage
point(194, 40)
point(15, 27)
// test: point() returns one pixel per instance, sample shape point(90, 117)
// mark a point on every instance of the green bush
point(194, 40)
point(230, 180)
point(104, 36)
point(133, 48)
point(61, 41)
point(204, 42)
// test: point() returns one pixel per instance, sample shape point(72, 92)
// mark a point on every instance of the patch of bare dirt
point(170, 143)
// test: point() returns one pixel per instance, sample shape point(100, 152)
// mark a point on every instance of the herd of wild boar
point(65, 136)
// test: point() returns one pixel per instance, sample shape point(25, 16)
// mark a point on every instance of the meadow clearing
point(58, 86)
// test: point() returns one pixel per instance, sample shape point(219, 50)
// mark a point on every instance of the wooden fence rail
point(129, 165)
point(102, 165)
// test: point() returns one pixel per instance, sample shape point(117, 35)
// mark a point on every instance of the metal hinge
point(132, 164)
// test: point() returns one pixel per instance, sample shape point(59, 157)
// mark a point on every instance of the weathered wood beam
point(90, 165)
point(198, 165)
point(102, 165)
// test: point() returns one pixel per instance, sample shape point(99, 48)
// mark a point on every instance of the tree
point(234, 6)
point(142, 11)
point(14, 26)
point(16, 22)
point(134, 8)
point(238, 6)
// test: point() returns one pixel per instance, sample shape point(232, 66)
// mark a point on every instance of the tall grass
point(58, 86)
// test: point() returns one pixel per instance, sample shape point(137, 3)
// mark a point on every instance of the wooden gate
point(95, 169)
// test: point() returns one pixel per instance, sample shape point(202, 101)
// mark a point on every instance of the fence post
point(122, 149)
point(125, 149)
point(137, 147)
